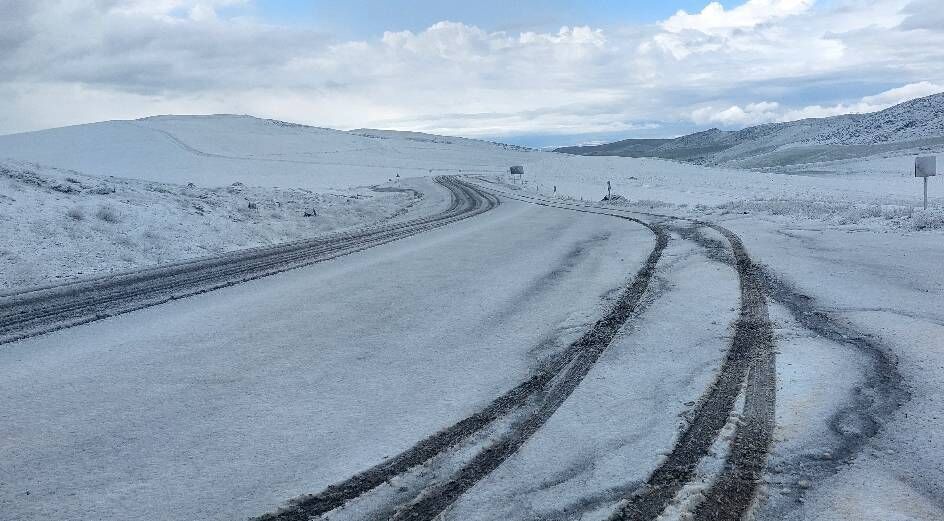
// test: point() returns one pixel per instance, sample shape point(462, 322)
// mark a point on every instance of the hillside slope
point(223, 149)
point(914, 124)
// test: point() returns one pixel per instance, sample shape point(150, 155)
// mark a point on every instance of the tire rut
point(569, 367)
point(41, 310)
point(589, 347)
point(751, 358)
point(734, 490)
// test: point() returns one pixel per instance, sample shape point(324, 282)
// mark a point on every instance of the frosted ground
point(61, 224)
point(846, 233)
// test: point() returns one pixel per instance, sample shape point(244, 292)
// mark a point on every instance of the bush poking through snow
point(652, 204)
point(64, 188)
point(107, 214)
point(932, 218)
point(892, 212)
point(842, 213)
point(76, 214)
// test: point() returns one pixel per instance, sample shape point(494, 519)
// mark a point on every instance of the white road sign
point(925, 166)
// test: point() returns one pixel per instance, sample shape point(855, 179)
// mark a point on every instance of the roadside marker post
point(925, 167)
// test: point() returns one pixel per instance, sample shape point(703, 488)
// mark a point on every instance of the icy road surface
point(226, 404)
point(542, 360)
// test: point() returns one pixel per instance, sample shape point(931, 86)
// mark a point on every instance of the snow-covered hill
point(915, 124)
point(223, 149)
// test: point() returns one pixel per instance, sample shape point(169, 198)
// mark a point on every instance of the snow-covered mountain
point(913, 124)
point(223, 149)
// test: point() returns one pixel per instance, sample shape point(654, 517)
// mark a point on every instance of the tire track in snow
point(750, 357)
point(568, 368)
point(431, 502)
point(882, 392)
point(734, 490)
point(875, 401)
point(41, 310)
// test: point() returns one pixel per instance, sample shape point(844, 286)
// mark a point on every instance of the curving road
point(28, 313)
point(546, 360)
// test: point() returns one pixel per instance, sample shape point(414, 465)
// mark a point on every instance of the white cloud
point(752, 26)
point(901, 94)
point(714, 19)
point(712, 66)
point(737, 116)
point(875, 103)
point(767, 112)
point(923, 15)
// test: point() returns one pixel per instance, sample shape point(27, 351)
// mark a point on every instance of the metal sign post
point(926, 166)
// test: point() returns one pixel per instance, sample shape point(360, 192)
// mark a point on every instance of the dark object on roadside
point(64, 188)
point(516, 173)
point(310, 213)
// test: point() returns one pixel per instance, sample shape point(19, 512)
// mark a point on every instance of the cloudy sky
point(526, 71)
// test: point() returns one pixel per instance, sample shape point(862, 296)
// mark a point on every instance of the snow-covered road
point(543, 360)
point(226, 404)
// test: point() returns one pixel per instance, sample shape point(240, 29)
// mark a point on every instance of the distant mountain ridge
point(912, 124)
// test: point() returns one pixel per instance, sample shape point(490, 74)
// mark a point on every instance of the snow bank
point(61, 224)
point(843, 213)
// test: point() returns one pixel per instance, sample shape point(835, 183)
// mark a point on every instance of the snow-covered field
point(60, 225)
point(216, 151)
point(879, 192)
point(221, 150)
